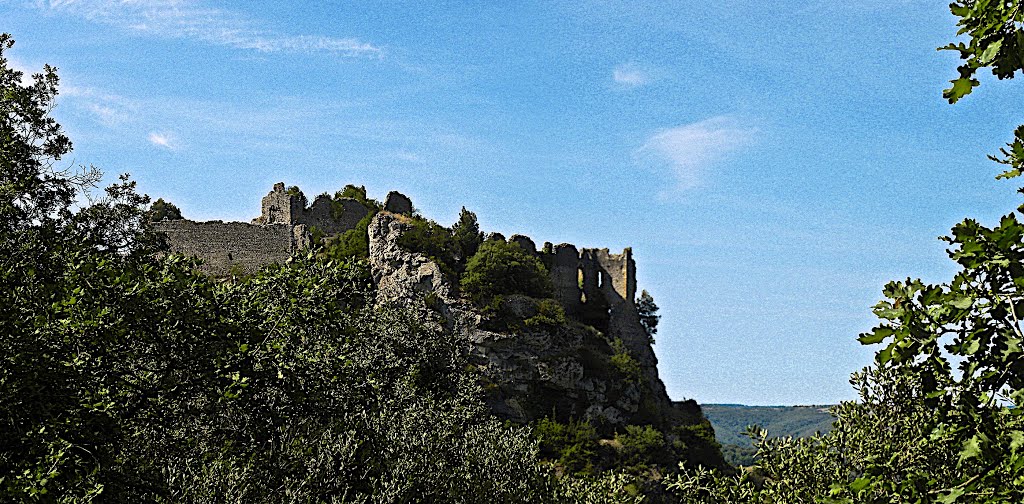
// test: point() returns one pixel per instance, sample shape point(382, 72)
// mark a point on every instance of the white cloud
point(630, 75)
point(411, 157)
point(188, 19)
point(162, 139)
point(691, 148)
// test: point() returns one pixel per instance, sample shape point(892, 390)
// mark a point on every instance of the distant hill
point(731, 420)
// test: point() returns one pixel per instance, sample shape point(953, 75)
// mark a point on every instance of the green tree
point(648, 311)
point(499, 268)
point(467, 235)
point(358, 193)
point(996, 41)
point(128, 377)
point(295, 191)
point(163, 210)
point(881, 449)
point(922, 432)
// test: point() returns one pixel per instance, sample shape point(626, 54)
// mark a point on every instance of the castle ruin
point(587, 281)
point(284, 227)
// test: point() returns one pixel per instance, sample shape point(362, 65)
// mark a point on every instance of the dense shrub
point(550, 314)
point(500, 268)
point(163, 210)
point(573, 445)
point(624, 362)
point(434, 241)
point(643, 445)
point(353, 243)
point(357, 193)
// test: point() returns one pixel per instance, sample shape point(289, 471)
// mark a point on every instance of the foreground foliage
point(127, 376)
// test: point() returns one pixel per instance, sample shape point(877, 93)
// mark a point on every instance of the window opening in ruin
point(230, 258)
point(579, 278)
point(600, 279)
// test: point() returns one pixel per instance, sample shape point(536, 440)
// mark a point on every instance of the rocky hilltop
point(533, 372)
point(588, 358)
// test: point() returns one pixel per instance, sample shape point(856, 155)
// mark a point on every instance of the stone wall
point(279, 207)
point(228, 248)
point(332, 217)
point(590, 274)
point(565, 274)
point(328, 216)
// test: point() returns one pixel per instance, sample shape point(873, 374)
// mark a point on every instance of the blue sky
point(772, 164)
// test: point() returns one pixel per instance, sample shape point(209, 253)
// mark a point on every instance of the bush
point(549, 314)
point(432, 240)
point(573, 445)
point(643, 445)
point(624, 362)
point(163, 210)
point(697, 445)
point(500, 268)
point(357, 193)
point(354, 243)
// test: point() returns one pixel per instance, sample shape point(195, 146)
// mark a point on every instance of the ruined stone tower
point(279, 207)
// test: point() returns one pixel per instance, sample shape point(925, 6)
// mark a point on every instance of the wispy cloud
point(163, 139)
point(408, 156)
point(105, 108)
point(630, 75)
point(189, 19)
point(691, 148)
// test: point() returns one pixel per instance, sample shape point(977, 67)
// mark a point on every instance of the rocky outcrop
point(531, 370)
point(402, 275)
point(398, 203)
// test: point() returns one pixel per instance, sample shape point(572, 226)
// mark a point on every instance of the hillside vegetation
point(731, 421)
point(129, 376)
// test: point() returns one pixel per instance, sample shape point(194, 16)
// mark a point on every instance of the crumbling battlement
point(593, 275)
point(330, 216)
point(583, 278)
point(285, 227)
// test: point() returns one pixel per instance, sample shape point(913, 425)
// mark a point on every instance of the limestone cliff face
point(566, 371)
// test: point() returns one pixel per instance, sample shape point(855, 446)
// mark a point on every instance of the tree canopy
point(500, 268)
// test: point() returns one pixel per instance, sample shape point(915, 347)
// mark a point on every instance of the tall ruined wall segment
point(329, 216)
point(279, 207)
point(592, 275)
point(284, 227)
point(228, 248)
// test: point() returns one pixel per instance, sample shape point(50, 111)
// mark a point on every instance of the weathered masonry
point(233, 248)
point(587, 281)
point(285, 226)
